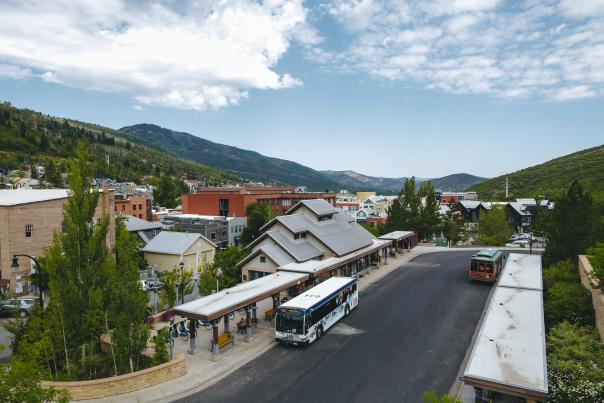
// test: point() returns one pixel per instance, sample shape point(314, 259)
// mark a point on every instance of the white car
point(521, 243)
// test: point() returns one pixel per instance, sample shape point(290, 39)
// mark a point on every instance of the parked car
point(520, 243)
point(519, 237)
point(17, 306)
point(151, 284)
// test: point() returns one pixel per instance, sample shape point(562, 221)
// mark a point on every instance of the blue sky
point(382, 88)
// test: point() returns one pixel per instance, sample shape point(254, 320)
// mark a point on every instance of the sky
point(385, 88)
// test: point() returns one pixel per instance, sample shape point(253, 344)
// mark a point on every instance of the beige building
point(167, 249)
point(314, 238)
point(28, 221)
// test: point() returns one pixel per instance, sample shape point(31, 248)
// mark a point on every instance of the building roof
point(135, 224)
point(229, 300)
point(318, 206)
point(277, 255)
point(13, 197)
point(522, 271)
point(300, 249)
point(470, 204)
point(173, 243)
point(509, 352)
point(314, 295)
point(341, 234)
point(316, 267)
point(510, 349)
point(397, 235)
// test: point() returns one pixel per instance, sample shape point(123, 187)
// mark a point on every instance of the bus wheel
point(319, 332)
point(346, 310)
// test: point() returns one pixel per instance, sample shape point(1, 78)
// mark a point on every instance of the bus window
point(474, 266)
point(289, 321)
point(489, 267)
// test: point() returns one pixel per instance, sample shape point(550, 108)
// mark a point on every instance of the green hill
point(30, 137)
point(245, 163)
point(549, 178)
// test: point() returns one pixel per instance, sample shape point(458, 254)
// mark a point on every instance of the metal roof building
point(509, 355)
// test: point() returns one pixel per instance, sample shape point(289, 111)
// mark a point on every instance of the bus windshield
point(290, 321)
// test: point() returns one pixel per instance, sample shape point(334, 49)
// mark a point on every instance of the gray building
point(216, 229)
point(235, 228)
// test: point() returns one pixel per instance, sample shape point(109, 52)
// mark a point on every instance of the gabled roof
point(300, 249)
point(274, 252)
point(318, 206)
point(173, 243)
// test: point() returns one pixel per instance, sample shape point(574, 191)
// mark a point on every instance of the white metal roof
point(318, 292)
point(173, 243)
point(510, 348)
point(13, 197)
point(315, 266)
point(134, 224)
point(396, 235)
point(522, 271)
point(233, 298)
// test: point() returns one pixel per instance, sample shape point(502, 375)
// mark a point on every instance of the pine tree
point(429, 214)
point(573, 226)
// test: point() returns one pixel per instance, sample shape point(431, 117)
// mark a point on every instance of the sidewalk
point(202, 372)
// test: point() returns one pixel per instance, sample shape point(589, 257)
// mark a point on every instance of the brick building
point(137, 206)
point(232, 201)
point(28, 221)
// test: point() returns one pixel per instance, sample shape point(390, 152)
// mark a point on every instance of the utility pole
point(507, 187)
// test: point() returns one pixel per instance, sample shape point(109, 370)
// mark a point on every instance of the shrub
point(575, 360)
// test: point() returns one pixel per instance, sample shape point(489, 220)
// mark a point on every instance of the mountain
point(351, 179)
point(456, 182)
point(244, 163)
point(28, 137)
point(354, 180)
point(551, 177)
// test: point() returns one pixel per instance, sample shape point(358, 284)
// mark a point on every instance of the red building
point(232, 201)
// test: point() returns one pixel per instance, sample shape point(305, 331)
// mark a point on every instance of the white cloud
point(190, 55)
point(544, 49)
point(13, 72)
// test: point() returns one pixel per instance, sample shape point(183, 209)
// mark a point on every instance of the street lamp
point(218, 275)
point(15, 266)
point(181, 284)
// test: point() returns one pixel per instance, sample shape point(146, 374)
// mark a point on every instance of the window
point(213, 235)
point(134, 207)
point(140, 216)
point(262, 259)
point(140, 206)
point(223, 207)
point(224, 233)
point(28, 230)
point(296, 236)
point(303, 235)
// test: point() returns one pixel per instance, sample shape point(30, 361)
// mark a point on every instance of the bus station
point(222, 305)
point(508, 361)
point(401, 240)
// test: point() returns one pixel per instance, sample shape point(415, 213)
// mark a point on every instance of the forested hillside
point(30, 137)
point(245, 163)
point(551, 177)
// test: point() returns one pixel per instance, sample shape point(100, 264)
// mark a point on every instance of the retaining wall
point(117, 385)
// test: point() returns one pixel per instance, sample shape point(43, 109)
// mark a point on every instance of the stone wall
point(117, 385)
point(597, 295)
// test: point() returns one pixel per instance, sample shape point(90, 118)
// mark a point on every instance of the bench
point(224, 339)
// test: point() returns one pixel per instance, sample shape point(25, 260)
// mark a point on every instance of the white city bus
point(306, 317)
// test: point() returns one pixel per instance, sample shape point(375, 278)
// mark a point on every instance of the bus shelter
point(219, 305)
point(401, 240)
point(508, 360)
point(345, 266)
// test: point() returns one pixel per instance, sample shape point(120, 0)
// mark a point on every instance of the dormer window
point(300, 235)
point(325, 217)
point(262, 259)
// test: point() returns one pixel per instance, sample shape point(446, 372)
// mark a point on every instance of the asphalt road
point(408, 335)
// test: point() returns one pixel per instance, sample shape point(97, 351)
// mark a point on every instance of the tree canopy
point(257, 215)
